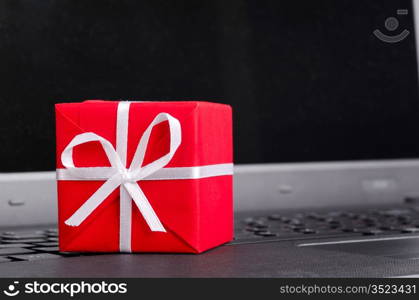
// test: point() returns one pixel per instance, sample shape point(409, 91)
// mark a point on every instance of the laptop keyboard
point(30, 245)
point(312, 225)
point(43, 244)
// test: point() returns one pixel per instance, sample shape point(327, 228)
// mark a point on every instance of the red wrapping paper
point(197, 213)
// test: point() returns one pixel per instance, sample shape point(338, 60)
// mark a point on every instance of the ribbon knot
point(120, 175)
point(125, 176)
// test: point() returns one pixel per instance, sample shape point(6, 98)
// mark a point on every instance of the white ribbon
point(118, 175)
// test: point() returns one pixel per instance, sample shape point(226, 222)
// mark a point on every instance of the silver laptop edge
point(30, 198)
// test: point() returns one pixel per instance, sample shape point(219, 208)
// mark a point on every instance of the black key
point(295, 221)
point(410, 230)
point(47, 249)
point(321, 218)
point(312, 215)
point(4, 259)
point(300, 225)
point(8, 232)
point(298, 229)
point(10, 251)
point(52, 239)
point(332, 221)
point(23, 241)
point(404, 218)
point(265, 233)
point(386, 228)
point(256, 223)
point(285, 220)
point(395, 212)
point(2, 246)
point(348, 215)
point(254, 229)
point(369, 220)
point(308, 231)
point(371, 232)
point(353, 216)
point(23, 236)
point(249, 220)
point(348, 229)
point(79, 254)
point(411, 200)
point(335, 214)
point(274, 217)
point(36, 256)
point(47, 244)
point(299, 216)
point(260, 225)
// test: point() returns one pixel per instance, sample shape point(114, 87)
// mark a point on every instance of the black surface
point(307, 79)
point(250, 260)
point(247, 256)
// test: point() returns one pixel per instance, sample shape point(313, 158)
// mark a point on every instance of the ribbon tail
point(94, 201)
point(125, 205)
point(144, 206)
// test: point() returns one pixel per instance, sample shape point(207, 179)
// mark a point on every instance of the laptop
point(326, 109)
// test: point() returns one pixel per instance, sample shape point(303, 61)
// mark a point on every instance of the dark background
point(307, 80)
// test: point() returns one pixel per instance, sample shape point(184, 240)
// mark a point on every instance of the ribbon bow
point(120, 176)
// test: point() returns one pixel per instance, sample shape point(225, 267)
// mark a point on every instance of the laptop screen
point(325, 80)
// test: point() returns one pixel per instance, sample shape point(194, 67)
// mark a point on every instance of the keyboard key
point(249, 220)
point(47, 249)
point(10, 251)
point(274, 217)
point(335, 214)
point(2, 246)
point(4, 259)
point(294, 226)
point(265, 233)
point(23, 236)
point(23, 241)
point(386, 228)
point(253, 229)
point(295, 221)
point(8, 232)
point(349, 215)
point(333, 223)
point(372, 232)
point(47, 244)
point(395, 212)
point(411, 200)
point(410, 230)
point(36, 256)
point(349, 229)
point(260, 225)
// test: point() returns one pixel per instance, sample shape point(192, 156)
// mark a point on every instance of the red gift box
point(144, 176)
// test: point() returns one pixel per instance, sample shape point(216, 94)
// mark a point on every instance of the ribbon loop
point(87, 137)
point(136, 169)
